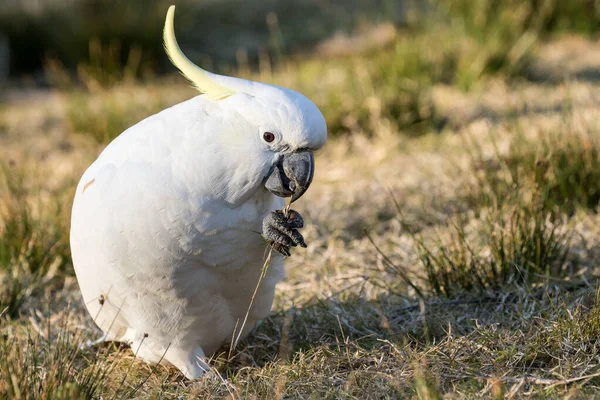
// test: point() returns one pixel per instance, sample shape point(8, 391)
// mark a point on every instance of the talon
point(282, 230)
point(297, 238)
point(295, 220)
point(281, 249)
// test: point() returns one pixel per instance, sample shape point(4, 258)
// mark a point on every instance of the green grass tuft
point(560, 169)
point(522, 248)
point(519, 200)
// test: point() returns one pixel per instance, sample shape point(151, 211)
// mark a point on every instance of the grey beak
point(292, 175)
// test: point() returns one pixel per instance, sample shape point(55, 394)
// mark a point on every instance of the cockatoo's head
point(277, 128)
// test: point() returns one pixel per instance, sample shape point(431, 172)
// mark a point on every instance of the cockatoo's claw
point(281, 249)
point(282, 230)
point(293, 219)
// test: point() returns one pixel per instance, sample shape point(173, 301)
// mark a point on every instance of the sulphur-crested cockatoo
point(169, 223)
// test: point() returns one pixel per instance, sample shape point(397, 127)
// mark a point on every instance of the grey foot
point(282, 231)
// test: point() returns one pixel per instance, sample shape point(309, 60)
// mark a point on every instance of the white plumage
point(165, 231)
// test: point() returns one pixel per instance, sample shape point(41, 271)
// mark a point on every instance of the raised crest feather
point(201, 79)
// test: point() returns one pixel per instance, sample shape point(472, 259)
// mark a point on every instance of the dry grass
point(458, 263)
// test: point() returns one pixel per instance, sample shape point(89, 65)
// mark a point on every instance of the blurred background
point(79, 33)
point(404, 46)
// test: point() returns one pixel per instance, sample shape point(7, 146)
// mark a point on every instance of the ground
point(461, 262)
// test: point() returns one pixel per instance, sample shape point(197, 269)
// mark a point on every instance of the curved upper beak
point(292, 175)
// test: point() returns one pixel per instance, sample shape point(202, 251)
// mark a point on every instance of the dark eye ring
point(268, 137)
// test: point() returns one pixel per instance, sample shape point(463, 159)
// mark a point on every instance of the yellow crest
point(200, 78)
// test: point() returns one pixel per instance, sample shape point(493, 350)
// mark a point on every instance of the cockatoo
point(169, 224)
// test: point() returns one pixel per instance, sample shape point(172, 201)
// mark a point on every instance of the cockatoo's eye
point(268, 137)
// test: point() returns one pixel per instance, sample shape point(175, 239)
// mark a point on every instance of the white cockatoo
point(169, 223)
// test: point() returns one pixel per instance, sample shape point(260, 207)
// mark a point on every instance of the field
point(452, 227)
